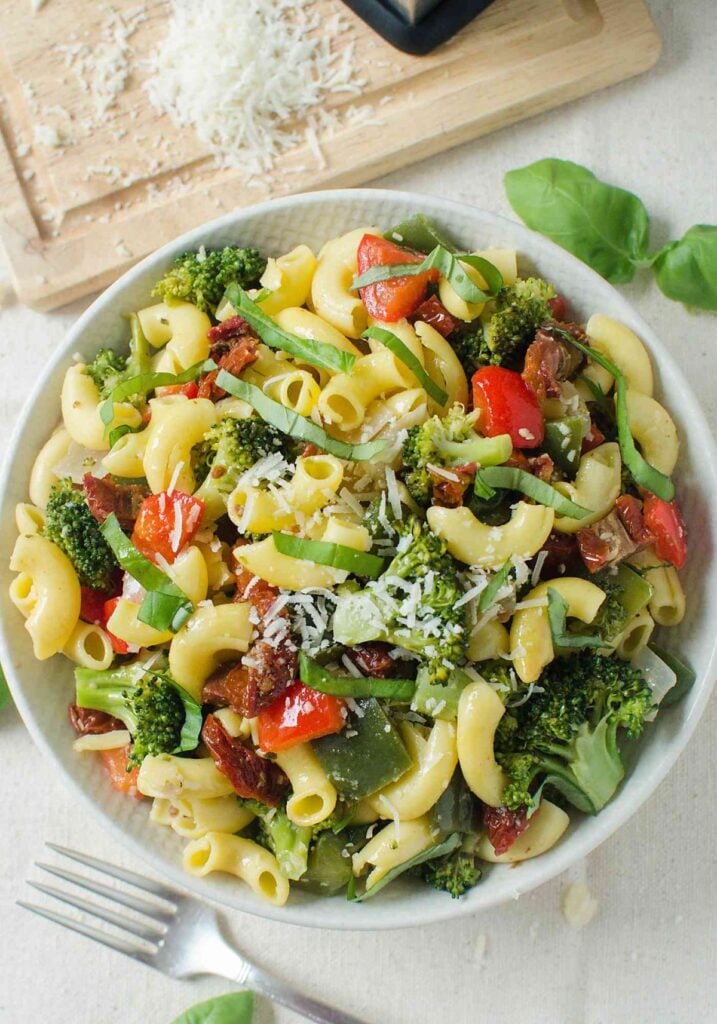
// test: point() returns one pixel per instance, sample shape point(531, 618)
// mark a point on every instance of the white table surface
point(649, 954)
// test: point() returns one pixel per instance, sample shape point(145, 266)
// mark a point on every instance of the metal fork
point(179, 936)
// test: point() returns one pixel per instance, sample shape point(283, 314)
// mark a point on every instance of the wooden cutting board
point(74, 217)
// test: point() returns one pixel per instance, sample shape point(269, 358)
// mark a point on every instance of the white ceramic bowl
point(42, 691)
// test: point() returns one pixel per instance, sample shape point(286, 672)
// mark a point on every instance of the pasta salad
point(359, 556)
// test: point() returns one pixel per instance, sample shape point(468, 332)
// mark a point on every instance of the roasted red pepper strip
point(507, 406)
point(664, 521)
point(398, 297)
point(166, 523)
point(298, 716)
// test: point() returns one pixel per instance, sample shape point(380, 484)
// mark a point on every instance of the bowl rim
point(564, 855)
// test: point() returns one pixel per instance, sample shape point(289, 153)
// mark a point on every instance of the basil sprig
point(164, 606)
point(638, 467)
point(512, 479)
point(490, 593)
point(318, 678)
point(557, 614)
point(449, 266)
point(609, 229)
point(318, 353)
point(143, 383)
point(292, 423)
point(234, 1008)
point(403, 352)
point(337, 556)
point(358, 894)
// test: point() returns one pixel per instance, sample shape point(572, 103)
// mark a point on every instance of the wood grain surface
point(73, 217)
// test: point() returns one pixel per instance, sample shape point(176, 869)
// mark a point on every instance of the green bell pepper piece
point(563, 441)
point(367, 755)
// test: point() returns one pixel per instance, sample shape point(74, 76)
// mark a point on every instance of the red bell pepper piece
point(664, 521)
point(122, 776)
point(119, 646)
point(92, 605)
point(507, 406)
point(191, 390)
point(299, 715)
point(397, 297)
point(165, 523)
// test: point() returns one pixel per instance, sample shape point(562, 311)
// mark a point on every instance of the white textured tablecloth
point(649, 954)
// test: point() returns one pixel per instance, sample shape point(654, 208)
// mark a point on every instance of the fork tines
point(150, 931)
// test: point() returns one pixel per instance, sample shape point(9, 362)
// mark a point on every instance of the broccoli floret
point(69, 523)
point(161, 717)
point(516, 314)
point(107, 370)
point(288, 842)
point(467, 343)
point(228, 449)
point(567, 735)
point(202, 277)
point(451, 441)
point(425, 620)
point(456, 872)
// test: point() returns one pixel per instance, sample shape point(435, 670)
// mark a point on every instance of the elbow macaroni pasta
point(446, 588)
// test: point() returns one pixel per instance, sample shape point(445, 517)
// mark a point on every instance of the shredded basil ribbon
point(511, 479)
point(639, 468)
point(292, 423)
point(143, 383)
point(439, 850)
point(403, 352)
point(318, 353)
point(317, 678)
point(557, 614)
point(338, 556)
point(488, 596)
point(449, 266)
point(165, 606)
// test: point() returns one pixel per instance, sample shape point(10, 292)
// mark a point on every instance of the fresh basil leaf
point(292, 423)
point(143, 383)
point(638, 467)
point(498, 581)
point(165, 606)
point(439, 850)
point(604, 226)
point(511, 479)
point(318, 678)
point(419, 233)
point(557, 614)
point(402, 352)
point(449, 266)
point(5, 697)
point(318, 353)
point(338, 556)
point(235, 1008)
point(686, 270)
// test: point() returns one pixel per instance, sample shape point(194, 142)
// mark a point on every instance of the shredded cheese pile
point(242, 75)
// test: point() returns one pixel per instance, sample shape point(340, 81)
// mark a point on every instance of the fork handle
point(290, 997)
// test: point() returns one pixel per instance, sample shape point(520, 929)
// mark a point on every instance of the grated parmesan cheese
point(270, 61)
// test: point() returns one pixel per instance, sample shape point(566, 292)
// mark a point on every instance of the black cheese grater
point(417, 26)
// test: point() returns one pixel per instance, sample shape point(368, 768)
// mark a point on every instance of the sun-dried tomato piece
point(562, 556)
point(105, 497)
point(630, 511)
point(434, 313)
point(448, 491)
point(373, 659)
point(503, 826)
point(253, 777)
point(88, 722)
point(228, 687)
